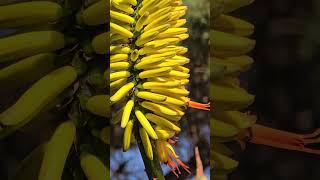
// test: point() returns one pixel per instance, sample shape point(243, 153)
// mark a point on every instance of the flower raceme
point(147, 73)
point(229, 46)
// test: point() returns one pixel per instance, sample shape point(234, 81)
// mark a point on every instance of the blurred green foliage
point(198, 20)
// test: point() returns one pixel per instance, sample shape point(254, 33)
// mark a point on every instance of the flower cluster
point(148, 77)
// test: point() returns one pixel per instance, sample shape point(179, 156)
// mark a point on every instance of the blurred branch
point(199, 163)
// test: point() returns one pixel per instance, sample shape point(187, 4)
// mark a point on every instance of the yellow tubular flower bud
point(120, 30)
point(161, 65)
point(146, 6)
point(233, 25)
point(122, 92)
point(146, 143)
point(142, 21)
point(175, 108)
point(119, 75)
point(145, 124)
point(118, 57)
point(174, 101)
point(164, 134)
point(155, 85)
point(93, 168)
point(119, 66)
point(172, 150)
point(178, 74)
point(158, 107)
point(178, 23)
point(163, 3)
point(151, 96)
point(134, 55)
point(162, 42)
point(126, 113)
point(174, 91)
point(57, 151)
point(158, 13)
point(121, 17)
point(116, 117)
point(123, 7)
point(132, 2)
point(145, 63)
point(146, 37)
point(159, 21)
point(160, 121)
point(182, 69)
point(118, 83)
point(119, 50)
point(127, 135)
point(172, 32)
point(171, 118)
point(154, 72)
point(158, 28)
point(180, 8)
point(227, 45)
point(182, 36)
point(169, 54)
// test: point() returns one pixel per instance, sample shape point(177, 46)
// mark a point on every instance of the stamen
point(184, 166)
point(173, 166)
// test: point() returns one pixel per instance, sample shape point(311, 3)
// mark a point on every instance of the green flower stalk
point(147, 74)
point(230, 121)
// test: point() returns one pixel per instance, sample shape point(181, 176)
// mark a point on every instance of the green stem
point(153, 168)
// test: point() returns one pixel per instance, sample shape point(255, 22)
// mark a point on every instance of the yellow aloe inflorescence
point(229, 46)
point(147, 73)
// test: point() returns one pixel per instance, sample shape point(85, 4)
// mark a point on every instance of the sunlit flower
point(147, 73)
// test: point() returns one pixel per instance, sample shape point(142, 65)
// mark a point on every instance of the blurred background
point(195, 124)
point(286, 80)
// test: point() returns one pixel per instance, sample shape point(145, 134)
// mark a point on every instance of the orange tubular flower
point(196, 105)
point(167, 155)
point(285, 140)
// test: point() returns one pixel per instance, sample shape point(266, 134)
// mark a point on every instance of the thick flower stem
point(153, 168)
